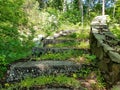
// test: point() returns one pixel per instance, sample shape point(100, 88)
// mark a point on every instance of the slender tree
point(64, 5)
point(114, 6)
point(103, 7)
point(80, 3)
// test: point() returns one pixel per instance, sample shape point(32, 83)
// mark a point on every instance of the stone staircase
point(34, 68)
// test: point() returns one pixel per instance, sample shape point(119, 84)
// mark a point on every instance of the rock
point(99, 53)
point(100, 20)
point(60, 32)
point(115, 57)
point(99, 37)
point(103, 66)
point(35, 39)
point(107, 48)
point(94, 30)
point(41, 36)
point(50, 37)
point(56, 35)
point(116, 71)
point(38, 40)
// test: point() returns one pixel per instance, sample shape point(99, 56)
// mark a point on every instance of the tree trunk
point(114, 9)
point(103, 7)
point(81, 10)
point(64, 5)
point(89, 9)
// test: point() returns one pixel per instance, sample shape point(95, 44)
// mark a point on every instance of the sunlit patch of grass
point(84, 45)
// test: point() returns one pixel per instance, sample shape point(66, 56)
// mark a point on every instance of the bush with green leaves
point(72, 16)
point(116, 30)
point(15, 33)
point(117, 15)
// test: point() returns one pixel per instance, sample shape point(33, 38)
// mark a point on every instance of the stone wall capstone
point(106, 47)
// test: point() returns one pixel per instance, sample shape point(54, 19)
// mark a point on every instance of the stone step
point(55, 41)
point(61, 33)
point(54, 88)
point(39, 51)
point(22, 70)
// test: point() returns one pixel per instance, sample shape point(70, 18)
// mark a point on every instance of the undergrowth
point(60, 80)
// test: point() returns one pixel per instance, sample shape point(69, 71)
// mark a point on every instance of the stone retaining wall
point(106, 47)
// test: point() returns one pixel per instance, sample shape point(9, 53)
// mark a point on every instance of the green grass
point(71, 44)
point(60, 56)
point(60, 80)
point(65, 44)
point(75, 56)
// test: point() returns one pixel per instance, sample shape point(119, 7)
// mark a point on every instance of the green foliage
point(60, 56)
point(71, 44)
point(90, 58)
point(3, 64)
point(72, 16)
point(65, 44)
point(83, 73)
point(116, 30)
point(41, 81)
point(14, 33)
point(57, 4)
point(100, 79)
point(118, 11)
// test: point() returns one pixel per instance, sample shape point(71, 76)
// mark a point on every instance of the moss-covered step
point(40, 51)
point(22, 70)
point(50, 82)
point(76, 35)
point(68, 43)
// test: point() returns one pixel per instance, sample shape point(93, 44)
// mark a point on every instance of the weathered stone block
point(22, 70)
point(115, 57)
point(99, 53)
point(107, 48)
point(99, 37)
point(103, 66)
point(100, 20)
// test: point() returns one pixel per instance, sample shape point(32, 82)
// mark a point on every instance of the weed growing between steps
point(85, 59)
point(66, 55)
point(76, 35)
point(46, 81)
point(71, 44)
point(64, 44)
